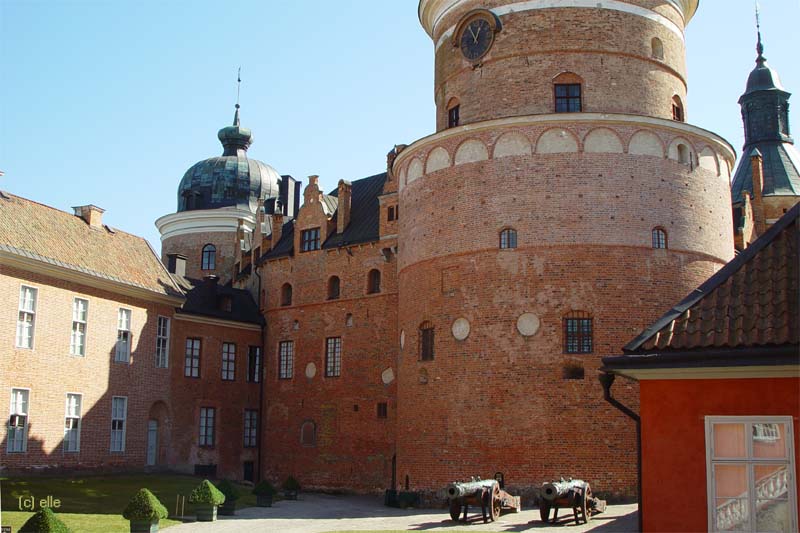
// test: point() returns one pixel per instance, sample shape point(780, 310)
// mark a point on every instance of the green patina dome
point(230, 180)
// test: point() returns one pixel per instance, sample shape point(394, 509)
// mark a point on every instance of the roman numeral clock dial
point(475, 34)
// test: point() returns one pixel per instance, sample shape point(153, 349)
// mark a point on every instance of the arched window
point(659, 238)
point(426, 336)
point(209, 259)
point(677, 109)
point(286, 294)
point(333, 288)
point(578, 332)
point(567, 93)
point(308, 433)
point(453, 113)
point(374, 281)
point(657, 48)
point(683, 154)
point(508, 238)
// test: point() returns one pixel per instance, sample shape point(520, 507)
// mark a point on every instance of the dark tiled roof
point(285, 245)
point(207, 298)
point(365, 213)
point(752, 302)
point(781, 163)
point(52, 236)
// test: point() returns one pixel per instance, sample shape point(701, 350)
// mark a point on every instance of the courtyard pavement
point(319, 513)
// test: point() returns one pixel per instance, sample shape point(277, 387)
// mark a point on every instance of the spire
point(760, 45)
point(236, 139)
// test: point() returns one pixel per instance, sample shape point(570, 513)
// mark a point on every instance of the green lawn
point(94, 504)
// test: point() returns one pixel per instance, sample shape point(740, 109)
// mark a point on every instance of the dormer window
point(309, 240)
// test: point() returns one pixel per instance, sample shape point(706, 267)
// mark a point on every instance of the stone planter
point(227, 508)
point(205, 512)
point(144, 526)
point(264, 500)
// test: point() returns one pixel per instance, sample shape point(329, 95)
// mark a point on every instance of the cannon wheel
point(496, 503)
point(455, 509)
point(585, 507)
point(544, 511)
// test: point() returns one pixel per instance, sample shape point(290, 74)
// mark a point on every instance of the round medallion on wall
point(387, 376)
point(460, 329)
point(311, 370)
point(528, 324)
point(474, 35)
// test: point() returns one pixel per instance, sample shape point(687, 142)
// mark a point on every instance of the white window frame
point(162, 341)
point(118, 445)
point(122, 350)
point(25, 312)
point(228, 367)
point(191, 358)
point(77, 339)
point(250, 428)
point(73, 429)
point(749, 460)
point(14, 411)
point(286, 360)
point(207, 427)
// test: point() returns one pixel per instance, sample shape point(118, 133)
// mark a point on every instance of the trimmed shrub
point(264, 488)
point(144, 506)
point(206, 493)
point(44, 521)
point(229, 490)
point(291, 484)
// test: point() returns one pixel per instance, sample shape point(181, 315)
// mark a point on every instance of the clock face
point(476, 38)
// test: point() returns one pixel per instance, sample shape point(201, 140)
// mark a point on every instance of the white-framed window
point(72, 423)
point(27, 316)
point(18, 421)
point(254, 364)
point(250, 428)
point(333, 357)
point(162, 342)
point(285, 359)
point(207, 419)
point(80, 314)
point(228, 361)
point(122, 353)
point(191, 362)
point(750, 473)
point(119, 414)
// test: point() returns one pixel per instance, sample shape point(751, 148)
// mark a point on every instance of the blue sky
point(109, 102)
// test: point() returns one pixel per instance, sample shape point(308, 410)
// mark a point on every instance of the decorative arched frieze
point(602, 140)
point(414, 170)
point(646, 142)
point(556, 141)
point(511, 144)
point(470, 151)
point(438, 159)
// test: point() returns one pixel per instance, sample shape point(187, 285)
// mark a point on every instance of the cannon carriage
point(486, 494)
point(565, 494)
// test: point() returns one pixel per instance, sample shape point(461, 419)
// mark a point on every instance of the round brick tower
point(561, 207)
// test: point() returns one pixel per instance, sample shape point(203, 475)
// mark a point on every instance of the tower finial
point(760, 45)
point(238, 87)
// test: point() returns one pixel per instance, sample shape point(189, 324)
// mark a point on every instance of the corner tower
point(215, 197)
point(562, 200)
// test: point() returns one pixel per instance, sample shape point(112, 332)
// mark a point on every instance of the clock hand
point(474, 38)
point(476, 35)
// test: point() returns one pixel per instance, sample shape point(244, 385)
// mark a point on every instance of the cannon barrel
point(560, 489)
point(461, 490)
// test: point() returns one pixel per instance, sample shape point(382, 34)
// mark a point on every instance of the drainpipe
point(261, 375)
point(607, 380)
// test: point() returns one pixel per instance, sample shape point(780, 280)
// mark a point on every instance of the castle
point(442, 319)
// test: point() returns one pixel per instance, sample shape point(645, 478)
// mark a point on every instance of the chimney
point(277, 229)
point(176, 264)
point(343, 211)
point(757, 163)
point(91, 214)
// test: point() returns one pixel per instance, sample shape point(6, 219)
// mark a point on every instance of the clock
point(474, 35)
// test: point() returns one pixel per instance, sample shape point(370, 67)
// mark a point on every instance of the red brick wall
point(50, 372)
point(191, 246)
point(673, 440)
point(230, 398)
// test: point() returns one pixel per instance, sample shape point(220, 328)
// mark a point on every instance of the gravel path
point(320, 513)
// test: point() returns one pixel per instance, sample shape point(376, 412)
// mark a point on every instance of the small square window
point(383, 410)
point(309, 240)
point(568, 98)
point(578, 333)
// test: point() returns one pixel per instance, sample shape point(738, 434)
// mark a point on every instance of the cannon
point(484, 493)
point(571, 493)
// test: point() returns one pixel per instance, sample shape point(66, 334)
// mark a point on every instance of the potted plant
point(264, 492)
point(44, 520)
point(206, 498)
point(231, 495)
point(290, 488)
point(144, 511)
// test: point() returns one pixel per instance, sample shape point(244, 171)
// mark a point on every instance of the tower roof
point(231, 180)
